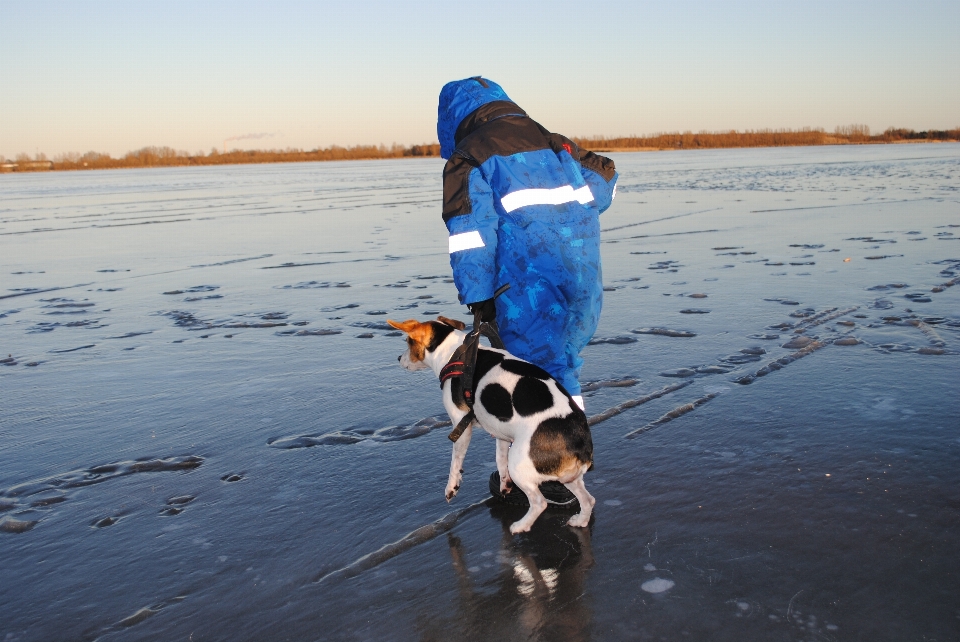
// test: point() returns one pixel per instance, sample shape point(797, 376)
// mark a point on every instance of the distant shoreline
point(168, 157)
point(611, 150)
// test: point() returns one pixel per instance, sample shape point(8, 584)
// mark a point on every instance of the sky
point(117, 76)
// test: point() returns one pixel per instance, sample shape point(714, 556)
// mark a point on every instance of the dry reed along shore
point(167, 157)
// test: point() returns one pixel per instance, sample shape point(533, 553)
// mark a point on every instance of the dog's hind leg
point(503, 450)
point(538, 504)
point(456, 463)
point(525, 478)
point(586, 500)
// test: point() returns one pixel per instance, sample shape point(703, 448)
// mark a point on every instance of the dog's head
point(423, 339)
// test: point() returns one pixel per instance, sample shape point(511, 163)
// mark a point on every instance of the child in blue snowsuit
point(522, 206)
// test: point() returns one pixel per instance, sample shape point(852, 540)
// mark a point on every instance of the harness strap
point(461, 426)
point(471, 346)
point(463, 363)
point(452, 369)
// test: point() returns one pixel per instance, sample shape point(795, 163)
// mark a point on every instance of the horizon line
point(152, 156)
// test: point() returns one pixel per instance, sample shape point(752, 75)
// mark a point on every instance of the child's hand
point(488, 310)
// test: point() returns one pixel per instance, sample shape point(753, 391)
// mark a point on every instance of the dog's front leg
point(503, 450)
point(456, 463)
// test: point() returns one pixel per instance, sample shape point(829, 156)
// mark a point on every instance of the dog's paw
point(451, 492)
point(506, 485)
point(518, 527)
point(579, 520)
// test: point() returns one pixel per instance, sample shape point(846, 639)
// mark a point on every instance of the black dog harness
point(463, 363)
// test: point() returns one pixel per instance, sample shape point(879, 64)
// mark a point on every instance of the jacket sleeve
point(472, 221)
point(601, 175)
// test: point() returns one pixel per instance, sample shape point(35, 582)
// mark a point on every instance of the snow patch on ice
point(657, 585)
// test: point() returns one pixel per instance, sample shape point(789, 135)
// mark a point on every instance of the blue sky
point(116, 76)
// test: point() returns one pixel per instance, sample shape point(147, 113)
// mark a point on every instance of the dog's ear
point(406, 326)
point(459, 325)
point(419, 332)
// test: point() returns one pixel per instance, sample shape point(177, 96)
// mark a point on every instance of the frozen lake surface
point(183, 342)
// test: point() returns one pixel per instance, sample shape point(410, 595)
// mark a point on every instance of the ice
point(10, 524)
point(716, 389)
point(165, 472)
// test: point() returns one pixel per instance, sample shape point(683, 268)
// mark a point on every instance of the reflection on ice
point(540, 578)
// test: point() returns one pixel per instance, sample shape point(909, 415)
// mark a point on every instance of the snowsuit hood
point(459, 99)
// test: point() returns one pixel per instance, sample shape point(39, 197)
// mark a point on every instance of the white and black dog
point(542, 434)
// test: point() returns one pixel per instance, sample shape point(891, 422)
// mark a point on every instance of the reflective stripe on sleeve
point(614, 195)
point(465, 241)
point(556, 196)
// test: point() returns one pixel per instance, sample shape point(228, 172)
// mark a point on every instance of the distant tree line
point(849, 134)
point(168, 157)
point(893, 134)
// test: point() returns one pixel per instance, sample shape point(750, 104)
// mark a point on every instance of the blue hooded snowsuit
point(522, 207)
